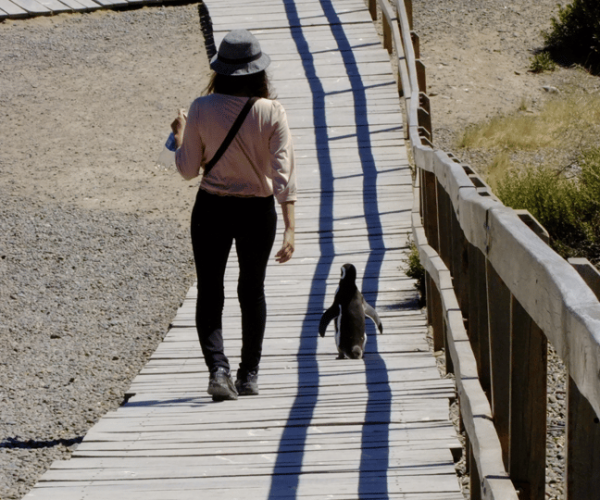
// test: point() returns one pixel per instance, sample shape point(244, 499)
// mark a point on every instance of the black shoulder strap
point(234, 130)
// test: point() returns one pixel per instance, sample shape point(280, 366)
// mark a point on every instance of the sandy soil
point(85, 119)
point(478, 54)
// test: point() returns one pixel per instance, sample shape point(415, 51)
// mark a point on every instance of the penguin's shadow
point(406, 305)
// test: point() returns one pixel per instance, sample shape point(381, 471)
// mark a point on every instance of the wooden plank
point(266, 19)
point(81, 5)
point(583, 440)
point(340, 485)
point(111, 3)
point(583, 425)
point(73, 5)
point(478, 318)
point(527, 447)
point(31, 7)
point(55, 6)
point(225, 463)
point(499, 321)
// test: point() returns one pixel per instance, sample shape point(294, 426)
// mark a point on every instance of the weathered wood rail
point(496, 294)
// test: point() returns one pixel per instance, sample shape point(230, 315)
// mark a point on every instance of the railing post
point(446, 235)
point(583, 425)
point(387, 35)
point(478, 317)
point(460, 265)
point(421, 76)
point(530, 221)
point(583, 443)
point(416, 41)
point(430, 225)
point(409, 12)
point(527, 456)
point(424, 114)
point(474, 479)
point(430, 208)
point(435, 314)
point(529, 371)
point(498, 298)
point(444, 238)
point(448, 357)
point(373, 9)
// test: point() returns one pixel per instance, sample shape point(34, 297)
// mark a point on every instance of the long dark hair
point(254, 85)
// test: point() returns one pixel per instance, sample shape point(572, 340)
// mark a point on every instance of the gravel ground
point(86, 297)
point(95, 257)
point(94, 252)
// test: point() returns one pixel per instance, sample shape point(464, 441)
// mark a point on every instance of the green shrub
point(590, 177)
point(416, 271)
point(574, 37)
point(568, 208)
point(542, 61)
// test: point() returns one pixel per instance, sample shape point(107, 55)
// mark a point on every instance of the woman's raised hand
point(178, 126)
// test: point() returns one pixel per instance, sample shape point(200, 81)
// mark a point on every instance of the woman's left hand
point(287, 248)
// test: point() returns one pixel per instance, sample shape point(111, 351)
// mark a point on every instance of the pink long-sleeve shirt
point(258, 162)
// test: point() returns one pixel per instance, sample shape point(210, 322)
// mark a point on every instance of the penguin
point(349, 309)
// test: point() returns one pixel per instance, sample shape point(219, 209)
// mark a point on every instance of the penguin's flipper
point(372, 313)
point(328, 315)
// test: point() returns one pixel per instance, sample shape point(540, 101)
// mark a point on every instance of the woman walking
point(235, 202)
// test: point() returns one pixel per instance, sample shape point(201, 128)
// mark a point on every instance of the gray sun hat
point(239, 54)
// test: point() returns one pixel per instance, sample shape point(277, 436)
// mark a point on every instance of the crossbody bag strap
point(234, 130)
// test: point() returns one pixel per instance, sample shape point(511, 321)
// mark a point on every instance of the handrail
point(472, 246)
point(477, 414)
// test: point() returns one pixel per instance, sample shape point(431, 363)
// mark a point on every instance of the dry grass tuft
point(553, 135)
point(565, 118)
point(548, 162)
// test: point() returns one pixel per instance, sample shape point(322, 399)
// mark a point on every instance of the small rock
point(550, 89)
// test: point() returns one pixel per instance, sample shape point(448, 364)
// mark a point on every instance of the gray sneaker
point(247, 385)
point(220, 385)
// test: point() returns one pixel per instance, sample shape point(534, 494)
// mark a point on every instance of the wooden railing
point(496, 294)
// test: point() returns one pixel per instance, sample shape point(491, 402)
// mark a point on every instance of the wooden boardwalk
point(321, 428)
point(13, 9)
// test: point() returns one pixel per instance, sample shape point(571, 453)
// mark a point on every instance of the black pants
point(217, 221)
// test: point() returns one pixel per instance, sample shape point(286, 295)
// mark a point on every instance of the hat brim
point(240, 69)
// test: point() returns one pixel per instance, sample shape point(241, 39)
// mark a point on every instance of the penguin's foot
point(220, 385)
point(247, 384)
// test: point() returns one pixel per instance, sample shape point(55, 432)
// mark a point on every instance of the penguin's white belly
point(338, 327)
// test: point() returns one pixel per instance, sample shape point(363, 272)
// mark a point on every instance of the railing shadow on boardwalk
point(287, 469)
point(302, 410)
